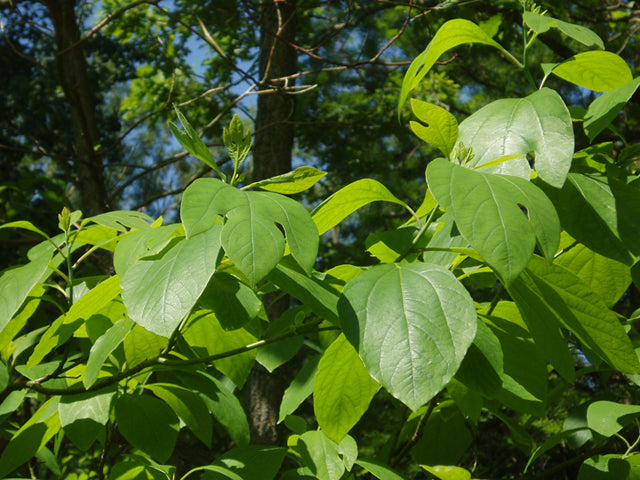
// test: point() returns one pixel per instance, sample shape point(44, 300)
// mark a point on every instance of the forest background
point(90, 88)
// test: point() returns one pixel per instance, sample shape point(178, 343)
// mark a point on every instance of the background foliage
point(483, 327)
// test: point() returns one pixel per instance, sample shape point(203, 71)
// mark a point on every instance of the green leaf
point(63, 327)
point(103, 347)
point(525, 385)
point(300, 388)
point(349, 199)
point(597, 70)
point(148, 424)
point(542, 23)
point(142, 243)
point(575, 306)
point(31, 437)
point(348, 450)
point(83, 417)
point(483, 367)
point(206, 336)
point(16, 283)
point(233, 302)
point(487, 209)
point(588, 211)
point(411, 324)
point(342, 390)
point(447, 472)
point(446, 437)
point(192, 143)
point(159, 293)
point(438, 127)
point(299, 180)
point(189, 406)
point(608, 467)
point(544, 328)
point(604, 109)
point(378, 470)
point(450, 35)
point(140, 345)
point(313, 292)
point(121, 220)
point(607, 277)
point(608, 418)
point(221, 402)
point(236, 141)
point(275, 354)
point(251, 462)
point(539, 123)
point(251, 237)
point(136, 470)
point(321, 455)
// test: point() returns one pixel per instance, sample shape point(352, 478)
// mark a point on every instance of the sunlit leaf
point(437, 126)
point(542, 23)
point(296, 181)
point(411, 324)
point(596, 70)
point(604, 109)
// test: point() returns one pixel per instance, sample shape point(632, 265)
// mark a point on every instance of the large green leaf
point(300, 388)
point(378, 470)
point(608, 418)
point(251, 237)
point(487, 209)
point(221, 402)
point(299, 180)
point(31, 437)
point(604, 109)
point(320, 455)
point(602, 219)
point(63, 327)
point(148, 424)
point(607, 277)
point(411, 324)
point(544, 328)
point(16, 283)
point(539, 124)
point(541, 23)
point(313, 292)
point(349, 199)
point(206, 336)
point(103, 347)
point(251, 462)
point(596, 70)
point(525, 385)
point(571, 302)
point(159, 293)
point(142, 243)
point(437, 126)
point(342, 390)
point(233, 302)
point(483, 367)
point(141, 344)
point(83, 417)
point(189, 406)
point(450, 35)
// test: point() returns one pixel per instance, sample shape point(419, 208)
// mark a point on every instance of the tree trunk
point(73, 77)
point(272, 156)
point(274, 127)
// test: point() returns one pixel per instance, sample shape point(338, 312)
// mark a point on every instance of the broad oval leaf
point(539, 123)
point(83, 417)
point(575, 306)
point(604, 109)
point(159, 293)
point(608, 418)
point(596, 70)
point(437, 126)
point(450, 35)
point(487, 209)
point(321, 455)
point(342, 390)
point(411, 324)
point(349, 199)
point(541, 23)
point(148, 424)
point(296, 181)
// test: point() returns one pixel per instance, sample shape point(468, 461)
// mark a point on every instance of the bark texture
point(274, 121)
point(272, 156)
point(74, 80)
